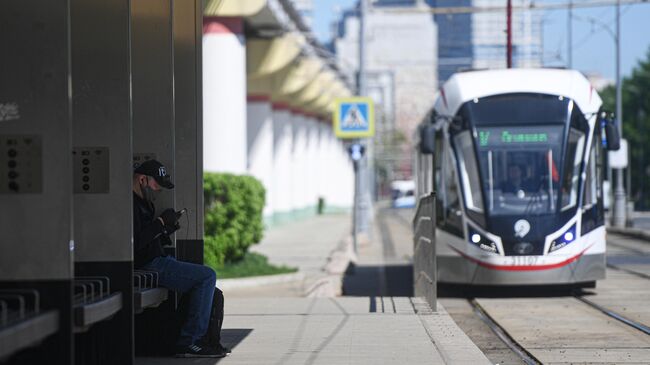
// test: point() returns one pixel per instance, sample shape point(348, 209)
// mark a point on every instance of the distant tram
point(515, 160)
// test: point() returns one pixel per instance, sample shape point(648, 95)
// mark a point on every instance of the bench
point(93, 301)
point(22, 322)
point(146, 292)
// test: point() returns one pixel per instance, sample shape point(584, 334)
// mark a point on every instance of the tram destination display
point(505, 136)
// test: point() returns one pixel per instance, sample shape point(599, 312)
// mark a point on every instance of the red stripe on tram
point(522, 267)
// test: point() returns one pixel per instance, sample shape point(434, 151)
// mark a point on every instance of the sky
point(593, 46)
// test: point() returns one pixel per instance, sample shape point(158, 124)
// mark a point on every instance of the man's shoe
point(198, 351)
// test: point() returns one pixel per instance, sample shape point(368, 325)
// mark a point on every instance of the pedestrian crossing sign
point(354, 117)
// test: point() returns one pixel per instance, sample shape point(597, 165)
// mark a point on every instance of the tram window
point(590, 196)
point(437, 162)
point(573, 163)
point(520, 168)
point(469, 171)
point(452, 220)
point(592, 215)
point(438, 181)
point(598, 147)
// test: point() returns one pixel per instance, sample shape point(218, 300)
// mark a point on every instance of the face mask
point(148, 194)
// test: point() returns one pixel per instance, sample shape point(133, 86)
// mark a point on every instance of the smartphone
point(181, 212)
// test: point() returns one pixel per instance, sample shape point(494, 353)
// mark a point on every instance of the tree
point(636, 127)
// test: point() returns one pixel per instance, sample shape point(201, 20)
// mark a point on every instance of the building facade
point(401, 74)
point(479, 41)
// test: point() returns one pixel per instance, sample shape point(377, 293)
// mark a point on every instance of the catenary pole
point(360, 165)
point(619, 193)
point(569, 42)
point(509, 33)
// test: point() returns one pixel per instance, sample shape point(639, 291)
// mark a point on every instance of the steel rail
point(628, 271)
point(512, 344)
point(630, 249)
point(636, 325)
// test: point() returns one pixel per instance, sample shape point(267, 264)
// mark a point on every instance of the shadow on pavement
point(514, 291)
point(380, 280)
point(230, 337)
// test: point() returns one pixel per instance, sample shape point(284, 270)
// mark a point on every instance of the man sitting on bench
point(149, 234)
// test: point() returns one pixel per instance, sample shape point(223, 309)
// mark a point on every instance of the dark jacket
point(148, 233)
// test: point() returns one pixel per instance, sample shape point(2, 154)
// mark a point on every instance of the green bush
point(233, 216)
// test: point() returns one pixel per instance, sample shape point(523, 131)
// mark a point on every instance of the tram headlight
point(564, 239)
point(482, 242)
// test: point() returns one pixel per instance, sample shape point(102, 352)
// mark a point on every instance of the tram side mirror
point(427, 139)
point(612, 138)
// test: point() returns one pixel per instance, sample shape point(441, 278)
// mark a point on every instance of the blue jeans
point(199, 281)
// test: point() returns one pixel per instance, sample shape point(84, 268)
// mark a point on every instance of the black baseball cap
point(156, 170)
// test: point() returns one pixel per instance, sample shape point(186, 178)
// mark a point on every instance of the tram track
point(628, 271)
point(503, 335)
point(636, 253)
point(613, 314)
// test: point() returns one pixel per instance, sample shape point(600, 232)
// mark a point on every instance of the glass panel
point(469, 171)
point(591, 188)
point(520, 167)
point(450, 187)
point(573, 162)
point(452, 218)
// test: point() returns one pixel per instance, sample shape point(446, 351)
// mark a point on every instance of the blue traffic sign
point(354, 117)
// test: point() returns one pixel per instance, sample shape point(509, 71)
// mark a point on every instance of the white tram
point(515, 159)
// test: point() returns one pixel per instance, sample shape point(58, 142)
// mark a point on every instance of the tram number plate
point(523, 260)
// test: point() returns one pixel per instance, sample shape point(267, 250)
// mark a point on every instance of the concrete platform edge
point(453, 345)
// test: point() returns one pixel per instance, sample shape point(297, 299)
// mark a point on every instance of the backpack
point(213, 337)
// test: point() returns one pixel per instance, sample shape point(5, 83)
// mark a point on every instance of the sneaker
point(198, 351)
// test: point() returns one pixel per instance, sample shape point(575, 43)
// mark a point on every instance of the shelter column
point(36, 246)
point(224, 95)
point(103, 176)
point(188, 138)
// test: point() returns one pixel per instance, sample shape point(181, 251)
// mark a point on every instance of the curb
point(337, 262)
point(256, 281)
point(631, 232)
point(325, 287)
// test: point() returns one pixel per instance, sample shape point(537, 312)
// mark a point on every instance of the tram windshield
point(521, 168)
point(515, 155)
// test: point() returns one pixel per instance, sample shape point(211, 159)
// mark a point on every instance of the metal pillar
point(509, 33)
point(619, 192)
point(363, 205)
point(355, 209)
point(569, 36)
